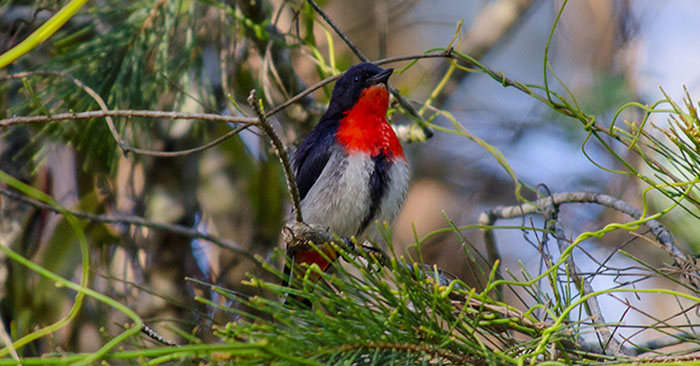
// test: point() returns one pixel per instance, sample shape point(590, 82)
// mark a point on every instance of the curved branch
point(96, 97)
point(138, 221)
point(337, 30)
point(281, 150)
point(172, 154)
point(659, 231)
point(663, 236)
point(247, 122)
point(608, 345)
point(128, 113)
point(427, 131)
point(388, 60)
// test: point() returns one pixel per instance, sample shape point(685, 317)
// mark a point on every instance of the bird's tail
point(296, 263)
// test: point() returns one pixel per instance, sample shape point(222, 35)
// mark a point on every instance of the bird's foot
point(375, 257)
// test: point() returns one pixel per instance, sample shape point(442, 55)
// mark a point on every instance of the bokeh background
point(188, 56)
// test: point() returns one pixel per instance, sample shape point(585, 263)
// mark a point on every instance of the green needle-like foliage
point(133, 221)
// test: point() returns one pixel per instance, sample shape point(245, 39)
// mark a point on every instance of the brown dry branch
point(245, 121)
point(96, 97)
point(548, 206)
point(138, 221)
point(126, 148)
point(257, 11)
point(659, 231)
point(297, 98)
point(107, 114)
point(282, 154)
point(388, 60)
point(172, 154)
point(608, 344)
point(494, 23)
point(128, 113)
point(427, 132)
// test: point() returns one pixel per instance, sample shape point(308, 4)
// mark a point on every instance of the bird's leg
point(373, 254)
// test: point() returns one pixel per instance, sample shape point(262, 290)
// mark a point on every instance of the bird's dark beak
point(382, 77)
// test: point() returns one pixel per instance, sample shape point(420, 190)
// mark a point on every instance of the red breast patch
point(364, 127)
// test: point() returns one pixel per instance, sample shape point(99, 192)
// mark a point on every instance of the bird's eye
point(356, 78)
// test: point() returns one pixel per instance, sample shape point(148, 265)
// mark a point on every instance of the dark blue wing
point(313, 154)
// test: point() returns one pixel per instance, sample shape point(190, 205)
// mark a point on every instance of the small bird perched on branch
point(350, 170)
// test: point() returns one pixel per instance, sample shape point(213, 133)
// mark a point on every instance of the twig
point(107, 114)
point(172, 154)
point(220, 118)
point(157, 337)
point(659, 231)
point(388, 60)
point(609, 344)
point(301, 95)
point(660, 325)
point(128, 113)
point(247, 122)
point(494, 23)
point(427, 131)
point(281, 150)
point(671, 340)
point(662, 235)
point(435, 54)
point(136, 220)
point(337, 30)
point(5, 337)
point(89, 91)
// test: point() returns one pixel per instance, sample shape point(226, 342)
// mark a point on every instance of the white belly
point(340, 198)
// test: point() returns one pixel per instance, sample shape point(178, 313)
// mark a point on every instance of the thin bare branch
point(337, 30)
point(660, 232)
point(172, 154)
point(282, 154)
point(312, 88)
point(301, 95)
point(128, 113)
point(435, 54)
point(609, 345)
point(138, 221)
point(494, 23)
point(157, 337)
point(427, 131)
point(88, 90)
point(247, 122)
point(663, 236)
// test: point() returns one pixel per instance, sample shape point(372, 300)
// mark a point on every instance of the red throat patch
point(364, 127)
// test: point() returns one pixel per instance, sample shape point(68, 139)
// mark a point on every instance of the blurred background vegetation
point(163, 226)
